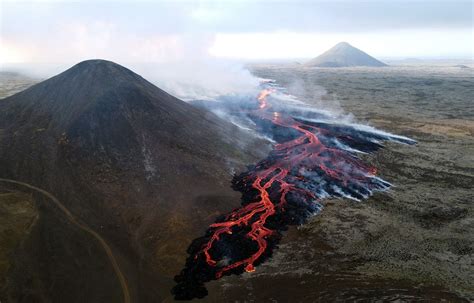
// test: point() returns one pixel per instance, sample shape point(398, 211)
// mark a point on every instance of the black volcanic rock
point(143, 168)
point(344, 55)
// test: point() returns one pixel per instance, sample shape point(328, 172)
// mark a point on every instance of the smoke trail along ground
point(314, 158)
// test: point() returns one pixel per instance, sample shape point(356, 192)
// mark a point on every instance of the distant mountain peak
point(343, 43)
point(344, 55)
point(96, 62)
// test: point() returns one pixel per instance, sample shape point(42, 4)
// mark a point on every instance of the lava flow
point(311, 161)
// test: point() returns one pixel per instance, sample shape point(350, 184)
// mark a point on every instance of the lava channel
point(310, 162)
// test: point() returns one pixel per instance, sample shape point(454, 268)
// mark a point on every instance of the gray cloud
point(242, 16)
point(336, 16)
point(172, 30)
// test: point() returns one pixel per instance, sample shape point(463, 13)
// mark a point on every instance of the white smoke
point(203, 79)
point(179, 64)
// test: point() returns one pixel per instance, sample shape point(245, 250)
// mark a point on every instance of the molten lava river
point(314, 157)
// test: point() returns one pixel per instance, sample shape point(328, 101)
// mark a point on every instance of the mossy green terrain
point(17, 215)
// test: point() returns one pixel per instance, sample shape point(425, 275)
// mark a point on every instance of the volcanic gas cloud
point(314, 158)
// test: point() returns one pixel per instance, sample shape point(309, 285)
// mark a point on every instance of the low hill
point(140, 167)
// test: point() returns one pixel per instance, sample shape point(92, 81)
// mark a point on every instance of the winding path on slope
point(82, 226)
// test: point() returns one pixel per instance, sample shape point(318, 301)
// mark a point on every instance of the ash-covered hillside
point(144, 169)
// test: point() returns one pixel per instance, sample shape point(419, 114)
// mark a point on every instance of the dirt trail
point(82, 226)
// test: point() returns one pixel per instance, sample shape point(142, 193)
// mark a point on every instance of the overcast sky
point(131, 31)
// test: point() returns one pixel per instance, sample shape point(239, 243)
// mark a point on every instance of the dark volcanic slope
point(344, 55)
point(139, 166)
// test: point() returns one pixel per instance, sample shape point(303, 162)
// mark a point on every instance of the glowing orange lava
point(312, 161)
point(262, 98)
point(309, 149)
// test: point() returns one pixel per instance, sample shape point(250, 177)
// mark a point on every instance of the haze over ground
point(203, 42)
